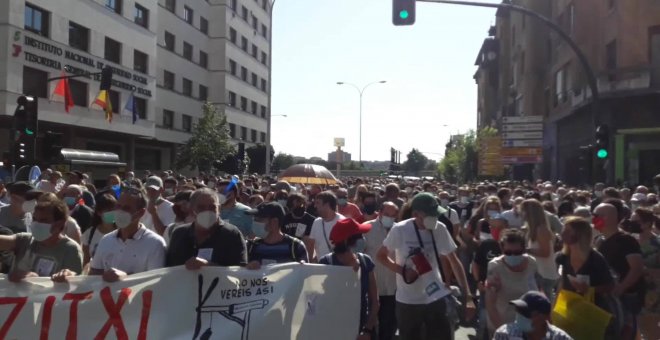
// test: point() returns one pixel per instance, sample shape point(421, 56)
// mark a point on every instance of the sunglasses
point(514, 253)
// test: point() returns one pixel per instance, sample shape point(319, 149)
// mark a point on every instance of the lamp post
point(361, 92)
point(270, 84)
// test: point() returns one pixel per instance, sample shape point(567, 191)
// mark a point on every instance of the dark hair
point(549, 207)
point(369, 194)
point(183, 196)
point(620, 212)
point(329, 198)
point(503, 192)
point(104, 202)
point(406, 212)
point(512, 236)
point(565, 208)
point(295, 197)
point(646, 216)
point(612, 193)
point(282, 194)
point(234, 188)
point(171, 180)
point(54, 205)
point(138, 193)
point(347, 244)
point(581, 199)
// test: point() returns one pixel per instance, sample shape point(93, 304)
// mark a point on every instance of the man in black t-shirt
point(463, 205)
point(297, 222)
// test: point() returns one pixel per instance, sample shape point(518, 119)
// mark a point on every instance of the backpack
point(258, 241)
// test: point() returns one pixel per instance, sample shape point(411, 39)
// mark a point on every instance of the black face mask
point(299, 211)
point(369, 209)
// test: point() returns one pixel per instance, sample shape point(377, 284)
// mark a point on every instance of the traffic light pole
point(588, 70)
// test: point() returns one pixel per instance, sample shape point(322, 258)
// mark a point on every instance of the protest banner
point(287, 301)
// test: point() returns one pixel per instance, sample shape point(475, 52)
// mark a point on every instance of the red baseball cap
point(346, 228)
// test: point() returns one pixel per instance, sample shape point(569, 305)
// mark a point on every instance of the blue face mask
point(70, 201)
point(523, 323)
point(360, 246)
point(493, 213)
point(513, 260)
point(259, 229)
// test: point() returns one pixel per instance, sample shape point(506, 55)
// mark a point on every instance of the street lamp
point(279, 116)
point(361, 92)
point(271, 6)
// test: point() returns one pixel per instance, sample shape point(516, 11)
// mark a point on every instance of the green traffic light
point(404, 14)
point(602, 153)
point(29, 132)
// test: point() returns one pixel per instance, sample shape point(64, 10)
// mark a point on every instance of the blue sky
point(428, 68)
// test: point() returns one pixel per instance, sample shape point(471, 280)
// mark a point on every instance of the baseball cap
point(427, 204)
point(346, 228)
point(154, 182)
point(268, 210)
point(532, 301)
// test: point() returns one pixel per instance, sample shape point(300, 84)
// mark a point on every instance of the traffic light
point(29, 106)
point(20, 152)
point(602, 141)
point(403, 12)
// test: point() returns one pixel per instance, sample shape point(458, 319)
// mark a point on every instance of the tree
point(416, 162)
point(257, 155)
point(209, 141)
point(460, 164)
point(283, 161)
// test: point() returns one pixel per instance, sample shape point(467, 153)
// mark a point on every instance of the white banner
point(288, 301)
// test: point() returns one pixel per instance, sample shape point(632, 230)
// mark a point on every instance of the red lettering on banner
point(114, 315)
point(46, 317)
point(72, 330)
point(20, 303)
point(146, 310)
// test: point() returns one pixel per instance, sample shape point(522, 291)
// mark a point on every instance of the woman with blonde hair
point(540, 241)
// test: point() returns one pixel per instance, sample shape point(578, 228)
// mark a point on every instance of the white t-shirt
point(515, 221)
point(453, 216)
point(322, 244)
point(165, 213)
point(144, 252)
point(403, 240)
point(94, 242)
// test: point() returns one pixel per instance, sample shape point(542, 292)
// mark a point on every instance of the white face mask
point(387, 221)
point(431, 222)
point(444, 202)
point(465, 200)
point(28, 206)
point(259, 229)
point(206, 219)
point(168, 191)
point(122, 219)
point(598, 194)
point(40, 231)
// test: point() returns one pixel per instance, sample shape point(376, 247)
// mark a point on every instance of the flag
point(62, 90)
point(103, 101)
point(130, 107)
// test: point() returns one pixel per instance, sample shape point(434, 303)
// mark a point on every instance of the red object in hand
point(422, 265)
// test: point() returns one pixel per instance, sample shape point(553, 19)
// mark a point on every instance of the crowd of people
point(429, 255)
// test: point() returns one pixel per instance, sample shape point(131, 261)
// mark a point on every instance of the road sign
point(522, 160)
point(522, 143)
point(523, 135)
point(523, 127)
point(339, 142)
point(515, 152)
point(490, 156)
point(522, 119)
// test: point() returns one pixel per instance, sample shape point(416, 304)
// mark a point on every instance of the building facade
point(171, 56)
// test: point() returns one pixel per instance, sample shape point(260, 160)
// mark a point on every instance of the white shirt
point(145, 251)
point(320, 233)
point(94, 242)
point(385, 278)
point(165, 213)
point(452, 215)
point(515, 221)
point(402, 239)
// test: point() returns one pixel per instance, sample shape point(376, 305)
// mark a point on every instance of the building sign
point(78, 64)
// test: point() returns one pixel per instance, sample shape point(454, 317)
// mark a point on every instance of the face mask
point(222, 199)
point(598, 222)
point(259, 229)
point(495, 232)
point(523, 323)
point(444, 202)
point(431, 222)
point(360, 246)
point(369, 209)
point(282, 202)
point(70, 201)
point(108, 217)
point(465, 200)
point(122, 219)
point(40, 231)
point(206, 219)
point(598, 194)
point(299, 211)
point(387, 221)
point(168, 192)
point(211, 185)
point(513, 260)
point(28, 206)
point(342, 201)
point(493, 213)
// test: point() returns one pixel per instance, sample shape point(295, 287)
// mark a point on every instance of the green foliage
point(282, 161)
point(416, 162)
point(461, 156)
point(209, 141)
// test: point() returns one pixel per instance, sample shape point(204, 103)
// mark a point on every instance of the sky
point(430, 92)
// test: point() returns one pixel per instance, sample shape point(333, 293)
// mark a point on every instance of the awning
point(87, 157)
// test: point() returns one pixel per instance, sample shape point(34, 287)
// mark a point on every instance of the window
point(112, 50)
point(187, 87)
point(232, 130)
point(203, 59)
point(264, 85)
point(254, 107)
point(264, 4)
point(170, 41)
point(255, 51)
point(244, 13)
point(187, 51)
point(244, 73)
point(263, 137)
point(168, 80)
point(168, 119)
point(560, 86)
point(140, 107)
point(186, 123)
point(255, 80)
point(141, 16)
point(203, 92)
point(243, 132)
point(255, 22)
point(36, 20)
point(264, 58)
point(244, 44)
point(233, 5)
point(114, 5)
point(114, 100)
point(263, 111)
point(264, 31)
point(170, 5)
point(244, 105)
point(35, 82)
point(203, 25)
point(232, 67)
point(78, 36)
point(78, 92)
point(232, 99)
point(188, 14)
point(253, 135)
point(232, 35)
point(140, 61)
point(610, 59)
